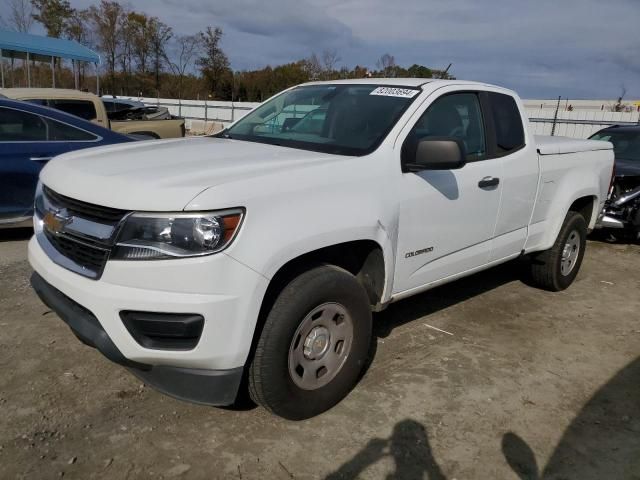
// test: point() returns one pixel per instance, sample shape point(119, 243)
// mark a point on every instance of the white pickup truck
point(254, 258)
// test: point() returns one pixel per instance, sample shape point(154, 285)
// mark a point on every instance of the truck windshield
point(333, 118)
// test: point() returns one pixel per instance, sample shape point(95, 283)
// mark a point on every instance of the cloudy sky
point(541, 48)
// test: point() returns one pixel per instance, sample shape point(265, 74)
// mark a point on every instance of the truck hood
point(164, 175)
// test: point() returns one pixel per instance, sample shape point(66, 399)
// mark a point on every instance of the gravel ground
point(512, 382)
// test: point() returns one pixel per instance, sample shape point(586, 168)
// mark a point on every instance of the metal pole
point(53, 72)
point(555, 118)
point(73, 70)
point(97, 80)
point(28, 70)
point(2, 67)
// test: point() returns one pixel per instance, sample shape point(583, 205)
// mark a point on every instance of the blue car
point(30, 135)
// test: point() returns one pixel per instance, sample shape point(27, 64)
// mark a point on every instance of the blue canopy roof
point(11, 42)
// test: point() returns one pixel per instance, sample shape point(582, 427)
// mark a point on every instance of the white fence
point(577, 124)
point(580, 123)
point(208, 111)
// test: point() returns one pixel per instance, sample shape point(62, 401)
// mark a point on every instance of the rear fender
point(556, 196)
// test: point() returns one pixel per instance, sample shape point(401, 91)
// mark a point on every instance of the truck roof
point(400, 82)
point(44, 92)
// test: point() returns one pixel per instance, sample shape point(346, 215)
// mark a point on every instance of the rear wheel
point(313, 346)
point(555, 269)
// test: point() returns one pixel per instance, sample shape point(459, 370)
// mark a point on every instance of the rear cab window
point(80, 108)
point(509, 131)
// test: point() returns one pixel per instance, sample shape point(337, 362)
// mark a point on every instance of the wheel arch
point(362, 258)
point(585, 203)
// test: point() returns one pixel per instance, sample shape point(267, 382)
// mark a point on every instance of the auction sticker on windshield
point(395, 92)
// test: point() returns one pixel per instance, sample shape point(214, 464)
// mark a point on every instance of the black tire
point(270, 381)
point(546, 266)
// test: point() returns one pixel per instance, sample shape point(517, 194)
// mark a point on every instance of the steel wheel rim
point(320, 346)
point(570, 253)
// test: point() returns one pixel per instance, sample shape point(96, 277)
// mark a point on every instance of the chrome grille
point(85, 210)
point(76, 235)
point(89, 257)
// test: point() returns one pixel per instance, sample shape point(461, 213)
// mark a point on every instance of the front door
point(447, 217)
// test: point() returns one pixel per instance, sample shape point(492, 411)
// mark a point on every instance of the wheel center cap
point(317, 343)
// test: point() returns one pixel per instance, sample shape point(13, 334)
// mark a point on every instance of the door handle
point(40, 159)
point(487, 182)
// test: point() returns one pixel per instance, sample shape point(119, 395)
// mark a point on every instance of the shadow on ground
point(409, 448)
point(15, 234)
point(602, 442)
point(439, 298)
point(619, 237)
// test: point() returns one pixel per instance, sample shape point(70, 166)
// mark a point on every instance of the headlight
point(149, 236)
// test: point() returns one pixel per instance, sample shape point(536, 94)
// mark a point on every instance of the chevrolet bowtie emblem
point(55, 222)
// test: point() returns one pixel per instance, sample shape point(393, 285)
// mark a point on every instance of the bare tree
point(187, 48)
point(387, 64)
point(20, 16)
point(330, 59)
point(620, 106)
point(313, 67)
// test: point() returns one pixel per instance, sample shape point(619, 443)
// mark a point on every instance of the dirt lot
point(526, 384)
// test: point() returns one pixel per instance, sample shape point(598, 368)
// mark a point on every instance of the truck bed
point(559, 145)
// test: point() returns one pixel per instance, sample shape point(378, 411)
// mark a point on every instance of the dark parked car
point(622, 210)
point(30, 135)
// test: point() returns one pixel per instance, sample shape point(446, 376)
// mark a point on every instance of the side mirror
point(438, 153)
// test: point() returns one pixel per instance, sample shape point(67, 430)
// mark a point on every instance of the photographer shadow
point(408, 447)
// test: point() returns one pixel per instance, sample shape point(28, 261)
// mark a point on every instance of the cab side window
point(457, 116)
point(508, 123)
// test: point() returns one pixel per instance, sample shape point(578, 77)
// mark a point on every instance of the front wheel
point(555, 269)
point(313, 346)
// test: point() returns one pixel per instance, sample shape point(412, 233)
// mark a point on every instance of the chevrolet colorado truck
point(90, 107)
point(253, 259)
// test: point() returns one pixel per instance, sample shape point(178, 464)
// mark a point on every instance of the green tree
point(214, 63)
point(159, 34)
point(53, 15)
point(419, 71)
point(106, 19)
point(140, 29)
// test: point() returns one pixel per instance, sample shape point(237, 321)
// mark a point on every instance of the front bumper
point(226, 293)
point(211, 387)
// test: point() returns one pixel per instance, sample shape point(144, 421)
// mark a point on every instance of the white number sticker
point(395, 92)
